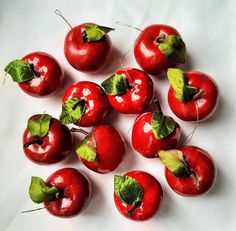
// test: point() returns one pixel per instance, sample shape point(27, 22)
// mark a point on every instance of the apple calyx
point(172, 47)
point(116, 84)
point(21, 71)
point(129, 191)
point(40, 192)
point(72, 110)
point(87, 148)
point(179, 82)
point(94, 32)
point(162, 126)
point(38, 126)
point(175, 162)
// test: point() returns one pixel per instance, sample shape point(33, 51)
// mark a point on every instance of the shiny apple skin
point(147, 53)
point(56, 145)
point(84, 56)
point(110, 148)
point(207, 102)
point(144, 141)
point(75, 192)
point(51, 75)
point(97, 106)
point(152, 197)
point(201, 164)
point(137, 99)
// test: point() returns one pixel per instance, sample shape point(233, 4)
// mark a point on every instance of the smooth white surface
point(208, 29)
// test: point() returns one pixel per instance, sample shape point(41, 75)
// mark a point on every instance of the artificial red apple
point(64, 194)
point(153, 131)
point(87, 47)
point(137, 195)
point(192, 95)
point(189, 170)
point(129, 90)
point(46, 140)
point(38, 74)
point(84, 104)
point(158, 48)
point(102, 150)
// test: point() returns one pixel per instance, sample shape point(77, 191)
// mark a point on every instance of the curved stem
point(137, 204)
point(39, 142)
point(158, 106)
point(198, 94)
point(58, 12)
point(127, 25)
point(79, 130)
point(195, 179)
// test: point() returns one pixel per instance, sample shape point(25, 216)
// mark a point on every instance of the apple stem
point(4, 80)
point(127, 25)
point(158, 106)
point(58, 12)
point(39, 142)
point(198, 94)
point(79, 130)
point(32, 210)
point(137, 204)
point(195, 179)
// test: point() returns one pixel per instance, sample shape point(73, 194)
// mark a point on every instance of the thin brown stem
point(32, 210)
point(79, 130)
point(58, 12)
point(39, 142)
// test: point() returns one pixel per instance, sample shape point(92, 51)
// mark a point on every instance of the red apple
point(84, 104)
point(38, 74)
point(137, 195)
point(87, 47)
point(64, 194)
point(46, 140)
point(158, 48)
point(152, 132)
point(190, 171)
point(193, 95)
point(129, 90)
point(102, 150)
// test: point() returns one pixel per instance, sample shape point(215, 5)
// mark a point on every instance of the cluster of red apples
point(192, 96)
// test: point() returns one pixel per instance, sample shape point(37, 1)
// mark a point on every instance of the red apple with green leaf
point(46, 140)
point(192, 95)
point(38, 74)
point(137, 195)
point(153, 131)
point(88, 47)
point(129, 90)
point(102, 150)
point(84, 104)
point(64, 194)
point(189, 170)
point(158, 48)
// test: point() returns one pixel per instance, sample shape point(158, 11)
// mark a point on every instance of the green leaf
point(116, 85)
point(72, 110)
point(175, 162)
point(178, 81)
point(20, 71)
point(38, 125)
point(94, 32)
point(162, 126)
point(39, 191)
point(173, 48)
point(128, 190)
point(87, 148)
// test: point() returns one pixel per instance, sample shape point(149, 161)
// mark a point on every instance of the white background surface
point(208, 29)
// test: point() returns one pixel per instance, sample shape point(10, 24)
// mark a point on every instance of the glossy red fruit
point(147, 52)
point(49, 75)
point(206, 102)
point(137, 98)
point(97, 106)
point(144, 140)
point(152, 196)
point(108, 146)
point(55, 146)
point(74, 192)
point(202, 173)
point(86, 56)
